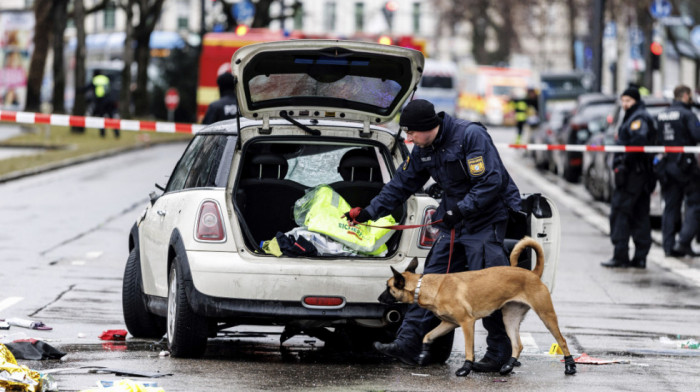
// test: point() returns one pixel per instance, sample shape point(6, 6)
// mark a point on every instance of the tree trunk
point(42, 38)
point(125, 93)
point(573, 15)
point(262, 13)
point(141, 101)
point(79, 72)
point(60, 18)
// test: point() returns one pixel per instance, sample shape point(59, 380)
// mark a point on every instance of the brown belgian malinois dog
point(459, 299)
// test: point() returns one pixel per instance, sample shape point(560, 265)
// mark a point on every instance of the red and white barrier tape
point(157, 126)
point(605, 148)
point(98, 122)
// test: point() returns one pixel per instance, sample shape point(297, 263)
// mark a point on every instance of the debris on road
point(588, 360)
point(34, 350)
point(15, 377)
point(114, 334)
point(125, 385)
point(38, 325)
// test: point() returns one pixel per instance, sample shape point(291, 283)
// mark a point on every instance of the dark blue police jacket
point(465, 162)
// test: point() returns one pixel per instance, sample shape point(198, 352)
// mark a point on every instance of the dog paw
point(569, 365)
point(508, 366)
point(465, 369)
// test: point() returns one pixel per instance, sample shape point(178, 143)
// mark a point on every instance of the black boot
point(683, 250)
point(487, 365)
point(508, 367)
point(465, 369)
point(395, 351)
point(614, 263)
point(569, 365)
point(638, 263)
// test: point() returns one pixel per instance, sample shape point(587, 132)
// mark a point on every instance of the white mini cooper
point(312, 113)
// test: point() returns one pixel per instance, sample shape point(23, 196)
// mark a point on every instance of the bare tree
point(42, 39)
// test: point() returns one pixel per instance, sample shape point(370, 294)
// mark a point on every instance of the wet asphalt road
point(63, 246)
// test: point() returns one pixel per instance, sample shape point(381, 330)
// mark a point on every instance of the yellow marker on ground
point(555, 349)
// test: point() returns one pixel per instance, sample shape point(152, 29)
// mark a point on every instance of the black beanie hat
point(226, 82)
point(419, 115)
point(632, 93)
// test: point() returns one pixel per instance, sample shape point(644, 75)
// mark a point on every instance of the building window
point(330, 16)
point(299, 17)
point(416, 18)
point(359, 17)
point(109, 11)
point(182, 23)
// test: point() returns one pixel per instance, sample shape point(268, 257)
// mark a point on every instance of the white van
point(439, 85)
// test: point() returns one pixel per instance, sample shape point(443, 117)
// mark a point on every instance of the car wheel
point(187, 331)
point(139, 321)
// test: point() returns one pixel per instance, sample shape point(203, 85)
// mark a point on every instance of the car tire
point(139, 321)
point(187, 331)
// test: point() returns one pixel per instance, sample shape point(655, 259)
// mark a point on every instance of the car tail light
point(323, 302)
point(428, 234)
point(210, 225)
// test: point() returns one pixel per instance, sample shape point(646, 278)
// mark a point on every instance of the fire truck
point(218, 48)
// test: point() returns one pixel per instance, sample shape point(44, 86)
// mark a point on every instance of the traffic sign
point(172, 99)
point(660, 8)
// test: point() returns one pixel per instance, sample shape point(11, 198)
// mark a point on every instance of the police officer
point(478, 194)
point(679, 176)
point(524, 107)
point(103, 101)
point(226, 107)
point(634, 182)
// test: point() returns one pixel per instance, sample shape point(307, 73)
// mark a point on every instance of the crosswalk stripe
point(7, 302)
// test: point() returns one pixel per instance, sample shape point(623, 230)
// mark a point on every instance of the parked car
point(597, 166)
point(313, 114)
point(547, 130)
point(589, 107)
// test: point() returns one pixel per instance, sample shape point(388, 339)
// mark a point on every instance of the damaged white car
point(312, 114)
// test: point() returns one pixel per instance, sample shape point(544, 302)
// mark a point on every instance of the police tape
point(97, 122)
point(171, 127)
point(602, 148)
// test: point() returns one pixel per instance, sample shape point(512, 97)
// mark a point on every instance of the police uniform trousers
point(472, 252)
point(691, 221)
point(629, 216)
point(672, 192)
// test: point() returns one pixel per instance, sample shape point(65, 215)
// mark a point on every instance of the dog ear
point(399, 281)
point(412, 266)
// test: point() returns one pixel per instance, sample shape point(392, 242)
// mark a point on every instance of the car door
point(157, 226)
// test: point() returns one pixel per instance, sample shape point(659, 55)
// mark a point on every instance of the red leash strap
point(405, 227)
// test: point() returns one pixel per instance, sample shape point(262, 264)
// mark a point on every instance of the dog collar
point(417, 292)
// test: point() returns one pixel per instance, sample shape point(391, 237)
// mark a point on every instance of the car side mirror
point(153, 196)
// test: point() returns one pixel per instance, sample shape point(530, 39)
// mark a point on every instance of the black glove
point(357, 215)
point(452, 217)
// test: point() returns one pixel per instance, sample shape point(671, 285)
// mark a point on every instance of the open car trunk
point(275, 172)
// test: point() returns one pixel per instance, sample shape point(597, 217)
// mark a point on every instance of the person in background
point(525, 106)
point(226, 107)
point(680, 175)
point(103, 102)
point(479, 196)
point(634, 182)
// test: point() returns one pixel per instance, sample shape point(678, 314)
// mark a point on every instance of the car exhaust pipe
point(392, 316)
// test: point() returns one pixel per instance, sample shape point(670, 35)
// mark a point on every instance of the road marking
point(529, 344)
point(93, 255)
point(7, 302)
point(78, 262)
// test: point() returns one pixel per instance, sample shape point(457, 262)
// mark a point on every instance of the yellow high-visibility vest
point(521, 111)
point(325, 216)
point(101, 83)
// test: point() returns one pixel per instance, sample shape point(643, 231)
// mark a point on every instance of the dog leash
point(406, 227)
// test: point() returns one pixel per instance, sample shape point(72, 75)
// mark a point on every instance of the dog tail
point(528, 242)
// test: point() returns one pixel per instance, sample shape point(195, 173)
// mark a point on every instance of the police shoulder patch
point(405, 164)
point(476, 166)
point(636, 125)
